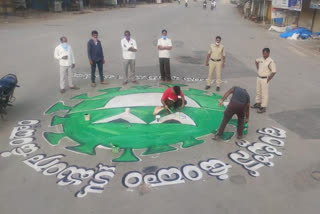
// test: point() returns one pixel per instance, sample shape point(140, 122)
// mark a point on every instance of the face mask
point(127, 37)
point(65, 46)
point(218, 43)
point(164, 37)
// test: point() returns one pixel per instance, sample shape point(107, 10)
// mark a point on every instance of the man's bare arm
point(270, 77)
point(207, 60)
point(230, 91)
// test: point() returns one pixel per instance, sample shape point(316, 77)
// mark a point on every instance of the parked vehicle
point(8, 84)
point(213, 4)
point(204, 4)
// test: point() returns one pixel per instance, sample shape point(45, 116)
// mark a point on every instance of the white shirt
point(125, 45)
point(60, 52)
point(165, 43)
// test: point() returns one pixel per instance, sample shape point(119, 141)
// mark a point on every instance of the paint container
point(87, 117)
point(226, 104)
point(127, 110)
point(245, 130)
point(115, 149)
point(158, 118)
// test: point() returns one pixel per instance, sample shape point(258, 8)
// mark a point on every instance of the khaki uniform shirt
point(216, 52)
point(266, 66)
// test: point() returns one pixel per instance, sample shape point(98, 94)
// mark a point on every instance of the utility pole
point(264, 6)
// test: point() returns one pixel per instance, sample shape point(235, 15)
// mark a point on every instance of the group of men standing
point(240, 100)
point(266, 69)
point(216, 60)
point(63, 52)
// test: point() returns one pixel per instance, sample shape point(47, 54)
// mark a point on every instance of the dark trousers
point(93, 70)
point(165, 68)
point(175, 104)
point(233, 108)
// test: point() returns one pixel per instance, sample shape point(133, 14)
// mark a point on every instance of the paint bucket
point(158, 118)
point(87, 117)
point(245, 130)
point(127, 110)
point(115, 149)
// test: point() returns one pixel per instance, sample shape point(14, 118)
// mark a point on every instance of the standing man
point(239, 105)
point(164, 47)
point(170, 98)
point(217, 57)
point(96, 58)
point(266, 71)
point(64, 54)
point(129, 49)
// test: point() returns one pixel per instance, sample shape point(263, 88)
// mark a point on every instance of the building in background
point(310, 15)
point(286, 12)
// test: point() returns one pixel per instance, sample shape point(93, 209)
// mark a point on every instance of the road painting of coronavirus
point(123, 120)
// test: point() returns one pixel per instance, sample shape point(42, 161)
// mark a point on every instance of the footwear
point(239, 137)
point(125, 83)
point(75, 88)
point(62, 91)
point(218, 89)
point(207, 87)
point(169, 81)
point(216, 137)
point(262, 110)
point(135, 82)
point(256, 105)
point(93, 84)
point(104, 82)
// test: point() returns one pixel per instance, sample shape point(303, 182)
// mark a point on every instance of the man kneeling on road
point(239, 105)
point(170, 98)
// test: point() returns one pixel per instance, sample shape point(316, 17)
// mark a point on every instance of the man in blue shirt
point(239, 105)
point(96, 58)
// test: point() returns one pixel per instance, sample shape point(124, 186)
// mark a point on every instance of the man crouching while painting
point(173, 97)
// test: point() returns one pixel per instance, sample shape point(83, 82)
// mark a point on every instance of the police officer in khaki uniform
point(266, 71)
point(217, 57)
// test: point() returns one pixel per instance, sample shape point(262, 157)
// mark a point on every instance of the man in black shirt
point(96, 58)
point(239, 105)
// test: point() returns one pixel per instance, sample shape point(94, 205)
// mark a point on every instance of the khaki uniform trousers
point(214, 66)
point(262, 91)
point(65, 73)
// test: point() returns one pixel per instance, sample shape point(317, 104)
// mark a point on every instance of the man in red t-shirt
point(170, 98)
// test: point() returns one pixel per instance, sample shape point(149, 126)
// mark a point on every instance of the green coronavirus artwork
point(123, 120)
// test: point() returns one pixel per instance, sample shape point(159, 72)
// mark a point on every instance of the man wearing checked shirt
point(217, 57)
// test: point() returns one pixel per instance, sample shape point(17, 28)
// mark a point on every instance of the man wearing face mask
point(129, 49)
point(64, 54)
point(217, 57)
point(164, 47)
